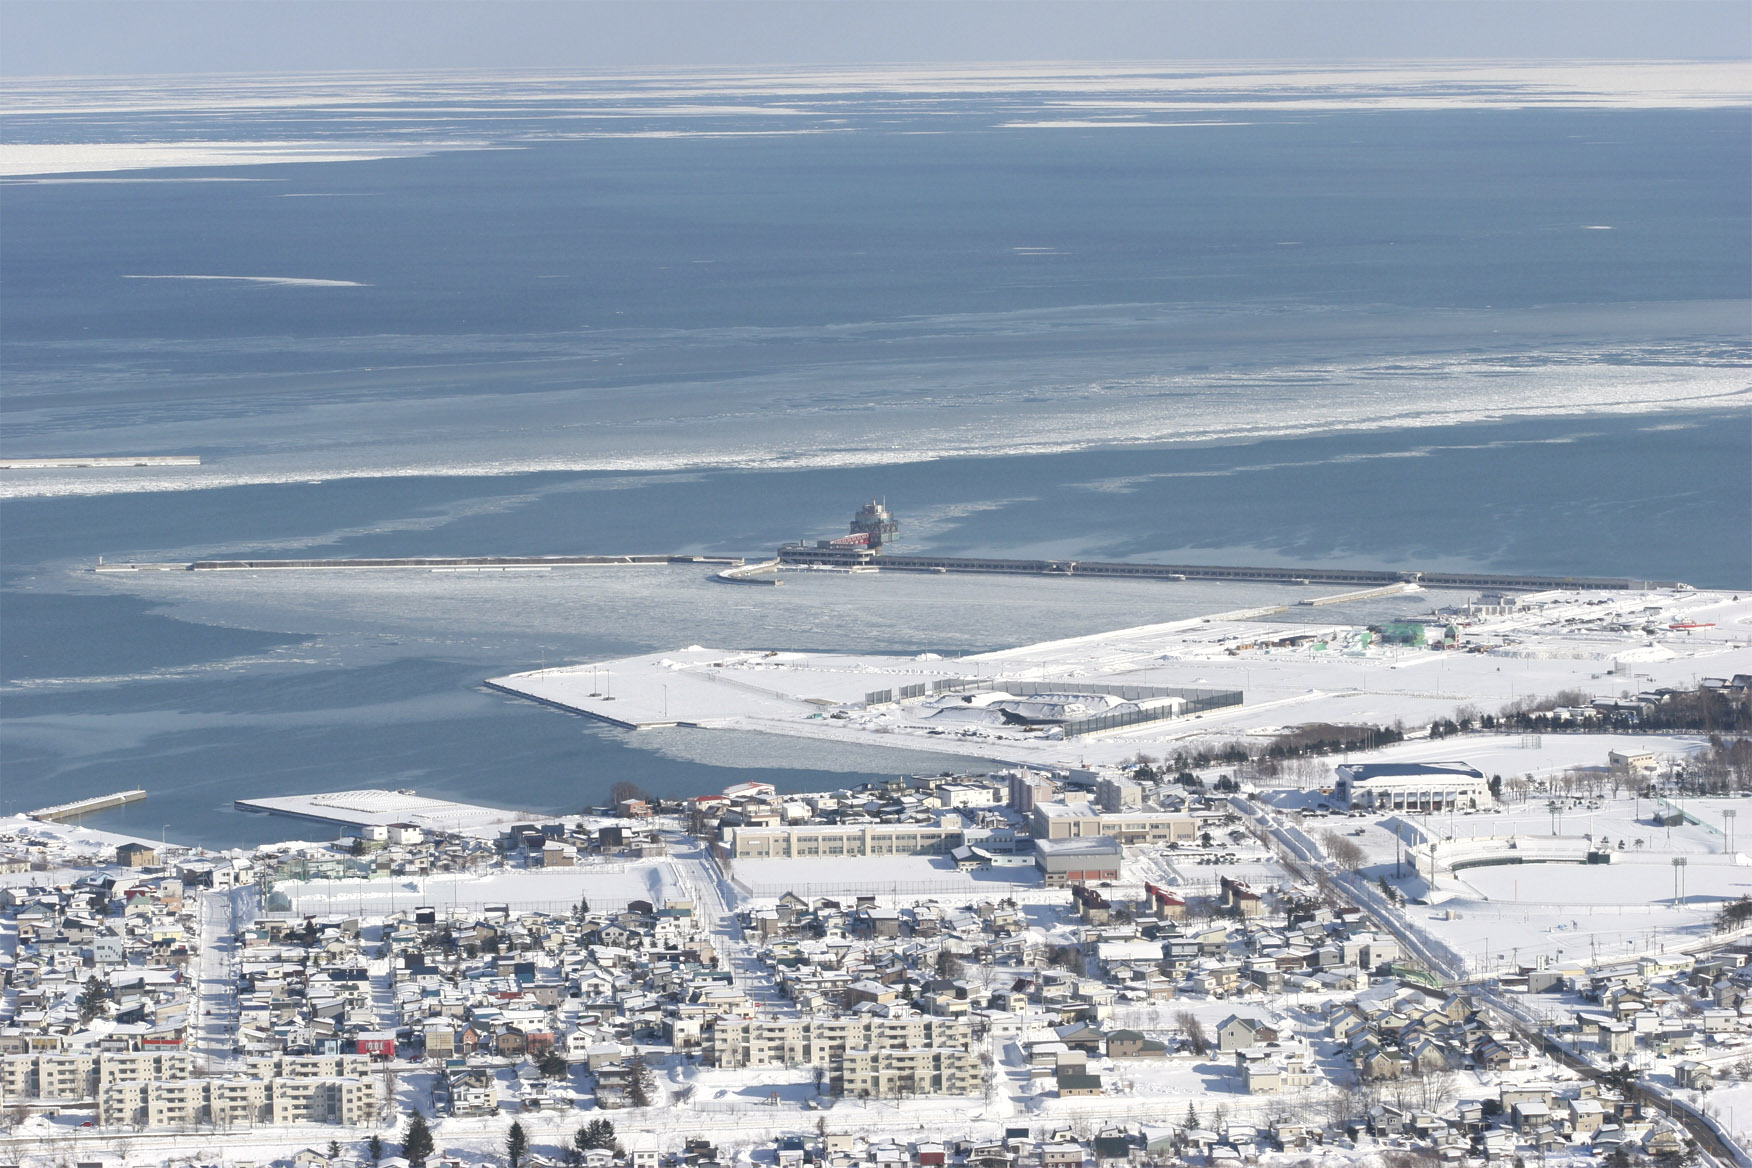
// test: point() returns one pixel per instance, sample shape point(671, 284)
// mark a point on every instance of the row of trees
point(417, 1146)
point(1725, 716)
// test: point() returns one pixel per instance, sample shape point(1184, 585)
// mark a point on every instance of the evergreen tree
point(598, 1133)
point(516, 1144)
point(643, 1083)
point(1191, 1120)
point(91, 998)
point(334, 1150)
point(417, 1140)
point(553, 1065)
point(374, 1147)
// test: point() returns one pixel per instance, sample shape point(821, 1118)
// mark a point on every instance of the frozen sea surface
point(1477, 316)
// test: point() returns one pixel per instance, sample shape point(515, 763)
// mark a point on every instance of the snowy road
point(713, 901)
point(213, 1012)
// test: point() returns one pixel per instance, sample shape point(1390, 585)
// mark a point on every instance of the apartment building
point(237, 1101)
point(348, 1101)
point(309, 1066)
point(82, 1075)
point(176, 1102)
point(880, 1074)
point(764, 1042)
point(66, 1076)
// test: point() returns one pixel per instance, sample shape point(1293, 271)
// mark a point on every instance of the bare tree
point(1346, 853)
point(1194, 1032)
point(625, 790)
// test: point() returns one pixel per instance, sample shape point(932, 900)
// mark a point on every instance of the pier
point(61, 812)
point(874, 526)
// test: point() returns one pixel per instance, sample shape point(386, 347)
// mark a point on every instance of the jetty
point(874, 526)
point(758, 573)
point(863, 549)
point(1372, 579)
point(61, 812)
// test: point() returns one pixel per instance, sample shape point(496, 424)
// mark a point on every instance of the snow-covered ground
point(375, 806)
point(1516, 910)
point(881, 876)
point(1595, 644)
point(549, 889)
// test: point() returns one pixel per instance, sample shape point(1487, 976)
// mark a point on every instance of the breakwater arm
point(64, 811)
point(795, 555)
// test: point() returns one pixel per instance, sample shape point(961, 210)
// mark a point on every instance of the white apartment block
point(765, 1042)
point(885, 1074)
point(346, 1101)
point(309, 1066)
point(237, 1102)
point(82, 1076)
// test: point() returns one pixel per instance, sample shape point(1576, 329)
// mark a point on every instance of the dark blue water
point(1386, 339)
point(1453, 209)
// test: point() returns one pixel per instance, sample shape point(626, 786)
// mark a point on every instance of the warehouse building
point(1064, 862)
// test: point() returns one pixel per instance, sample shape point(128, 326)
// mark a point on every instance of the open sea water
point(1505, 339)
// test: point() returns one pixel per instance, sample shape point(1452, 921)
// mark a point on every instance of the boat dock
point(61, 812)
point(425, 563)
point(759, 573)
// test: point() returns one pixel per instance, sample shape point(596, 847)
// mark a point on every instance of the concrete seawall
point(1359, 577)
point(736, 570)
point(65, 811)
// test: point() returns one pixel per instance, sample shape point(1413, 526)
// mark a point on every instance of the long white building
point(1412, 786)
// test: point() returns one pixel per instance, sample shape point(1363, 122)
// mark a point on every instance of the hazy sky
point(108, 37)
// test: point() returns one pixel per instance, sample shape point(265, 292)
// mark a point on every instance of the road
point(213, 1011)
point(1303, 856)
point(714, 907)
